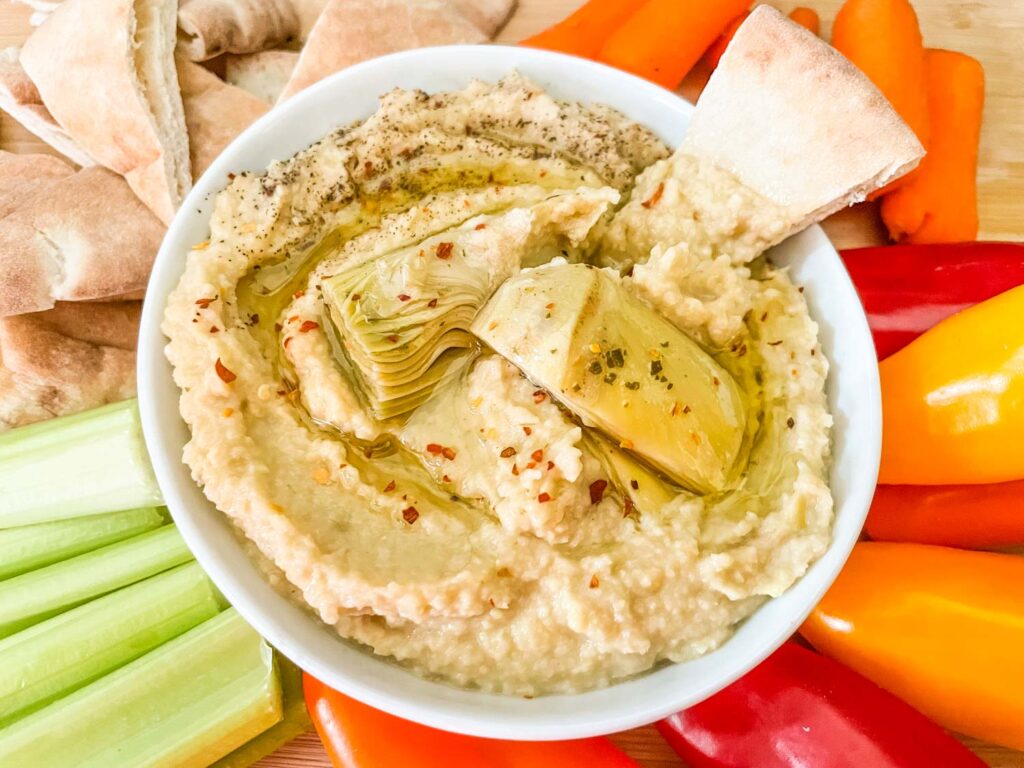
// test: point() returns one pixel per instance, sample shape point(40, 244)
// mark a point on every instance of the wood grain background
point(990, 30)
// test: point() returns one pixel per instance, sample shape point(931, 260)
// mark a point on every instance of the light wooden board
point(990, 30)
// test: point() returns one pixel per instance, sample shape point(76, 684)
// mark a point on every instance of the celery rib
point(37, 595)
point(57, 656)
point(186, 704)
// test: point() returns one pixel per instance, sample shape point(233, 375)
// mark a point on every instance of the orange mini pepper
point(953, 399)
point(941, 628)
point(358, 736)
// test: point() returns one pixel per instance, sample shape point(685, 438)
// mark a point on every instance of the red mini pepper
point(799, 709)
point(358, 736)
point(906, 289)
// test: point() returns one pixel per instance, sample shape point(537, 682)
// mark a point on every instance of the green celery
point(28, 547)
point(37, 595)
point(60, 655)
point(85, 464)
point(186, 704)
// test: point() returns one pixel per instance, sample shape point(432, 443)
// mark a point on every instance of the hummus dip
point(505, 391)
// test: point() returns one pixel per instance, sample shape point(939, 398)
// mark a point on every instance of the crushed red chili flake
point(543, 498)
point(537, 455)
point(434, 449)
point(204, 303)
point(448, 453)
point(515, 470)
point(634, 485)
point(432, 303)
point(222, 371)
point(390, 487)
point(308, 325)
point(231, 176)
point(298, 294)
point(686, 409)
point(410, 515)
point(653, 199)
point(550, 305)
point(214, 329)
point(404, 297)
point(790, 422)
point(594, 583)
point(356, 296)
point(627, 507)
point(539, 396)
point(480, 226)
point(445, 479)
point(392, 338)
point(508, 453)
point(287, 341)
point(551, 465)
point(444, 250)
point(597, 489)
point(528, 431)
point(278, 327)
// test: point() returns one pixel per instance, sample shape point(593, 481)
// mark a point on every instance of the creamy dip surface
point(505, 391)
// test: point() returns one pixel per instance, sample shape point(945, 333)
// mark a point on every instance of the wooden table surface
point(990, 30)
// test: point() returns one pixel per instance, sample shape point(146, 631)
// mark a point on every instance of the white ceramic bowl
point(853, 397)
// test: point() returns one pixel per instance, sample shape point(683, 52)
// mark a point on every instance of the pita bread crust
point(68, 359)
point(22, 177)
point(488, 15)
point(82, 62)
point(86, 237)
point(794, 120)
point(212, 27)
point(350, 31)
point(263, 74)
point(215, 112)
point(20, 99)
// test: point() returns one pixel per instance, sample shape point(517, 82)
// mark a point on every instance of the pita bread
point(215, 112)
point(212, 27)
point(23, 177)
point(350, 31)
point(488, 15)
point(83, 237)
point(41, 6)
point(67, 359)
point(105, 69)
point(20, 99)
point(262, 74)
point(795, 121)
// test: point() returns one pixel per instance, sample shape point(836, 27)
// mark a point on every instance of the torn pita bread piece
point(488, 15)
point(105, 70)
point(41, 6)
point(67, 359)
point(794, 120)
point(209, 28)
point(22, 177)
point(262, 74)
point(20, 98)
point(84, 237)
point(215, 112)
point(350, 31)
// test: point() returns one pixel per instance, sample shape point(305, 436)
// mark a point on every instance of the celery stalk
point(37, 595)
point(51, 659)
point(34, 546)
point(85, 464)
point(188, 703)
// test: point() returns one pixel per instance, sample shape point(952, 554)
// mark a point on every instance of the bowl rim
point(630, 703)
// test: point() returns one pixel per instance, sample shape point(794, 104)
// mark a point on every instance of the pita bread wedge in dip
point(20, 98)
point(209, 28)
point(215, 112)
point(105, 70)
point(350, 31)
point(66, 359)
point(85, 236)
point(263, 74)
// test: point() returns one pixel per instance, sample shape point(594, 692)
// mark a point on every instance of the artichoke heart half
point(622, 368)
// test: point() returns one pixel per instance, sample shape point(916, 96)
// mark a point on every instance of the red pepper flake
point(231, 176)
point(434, 449)
point(298, 294)
point(480, 226)
point(528, 431)
point(308, 326)
point(278, 327)
point(540, 396)
point(508, 453)
point(432, 303)
point(515, 470)
point(444, 250)
point(653, 199)
point(214, 329)
point(445, 479)
point(551, 465)
point(550, 305)
point(225, 375)
point(355, 297)
point(715, 381)
point(448, 453)
point(204, 303)
point(627, 507)
point(410, 515)
point(634, 485)
point(597, 489)
point(790, 422)
point(287, 341)
point(390, 487)
point(686, 409)
point(404, 297)
point(537, 455)
point(531, 465)
point(392, 338)
point(544, 498)
point(594, 583)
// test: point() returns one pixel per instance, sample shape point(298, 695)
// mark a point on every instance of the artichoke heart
point(621, 367)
